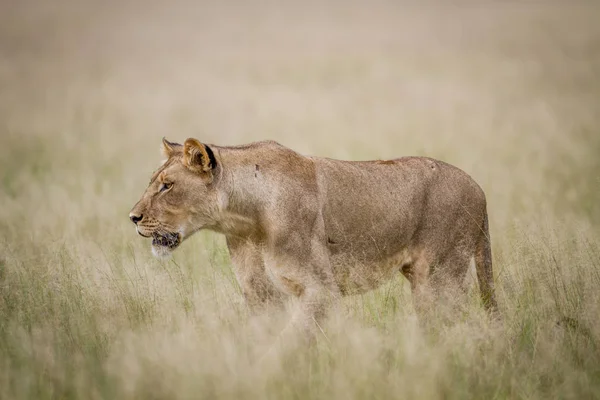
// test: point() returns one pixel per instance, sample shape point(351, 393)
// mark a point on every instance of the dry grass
point(507, 91)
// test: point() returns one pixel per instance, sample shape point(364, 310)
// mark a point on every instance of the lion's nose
point(135, 218)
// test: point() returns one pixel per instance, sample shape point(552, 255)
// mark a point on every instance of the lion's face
point(180, 198)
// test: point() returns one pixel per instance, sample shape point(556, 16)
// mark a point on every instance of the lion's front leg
point(248, 264)
point(302, 270)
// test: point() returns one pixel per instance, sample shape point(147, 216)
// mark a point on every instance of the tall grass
point(507, 91)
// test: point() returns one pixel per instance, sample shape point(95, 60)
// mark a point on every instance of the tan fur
point(318, 228)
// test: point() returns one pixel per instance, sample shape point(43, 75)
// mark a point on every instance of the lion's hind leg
point(449, 281)
point(417, 272)
point(437, 286)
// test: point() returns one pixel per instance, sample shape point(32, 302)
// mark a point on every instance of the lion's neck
point(241, 197)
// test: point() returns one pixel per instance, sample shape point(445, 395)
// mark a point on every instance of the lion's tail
point(483, 265)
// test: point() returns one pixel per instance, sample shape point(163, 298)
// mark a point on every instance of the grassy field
point(507, 91)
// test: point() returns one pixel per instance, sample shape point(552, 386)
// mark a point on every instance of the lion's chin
point(164, 244)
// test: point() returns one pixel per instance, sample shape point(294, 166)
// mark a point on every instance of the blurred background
point(508, 91)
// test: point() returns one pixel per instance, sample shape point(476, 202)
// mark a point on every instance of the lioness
point(317, 228)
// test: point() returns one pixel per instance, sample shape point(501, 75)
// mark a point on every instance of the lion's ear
point(198, 157)
point(169, 148)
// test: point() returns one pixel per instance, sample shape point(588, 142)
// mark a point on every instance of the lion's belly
point(355, 276)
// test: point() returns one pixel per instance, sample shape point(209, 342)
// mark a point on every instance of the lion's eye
point(165, 186)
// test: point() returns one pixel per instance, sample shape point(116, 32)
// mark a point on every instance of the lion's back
point(380, 206)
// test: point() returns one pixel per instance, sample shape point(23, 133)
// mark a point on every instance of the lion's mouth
point(168, 239)
point(142, 234)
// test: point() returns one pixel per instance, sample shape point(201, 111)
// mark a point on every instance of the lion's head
point(181, 197)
